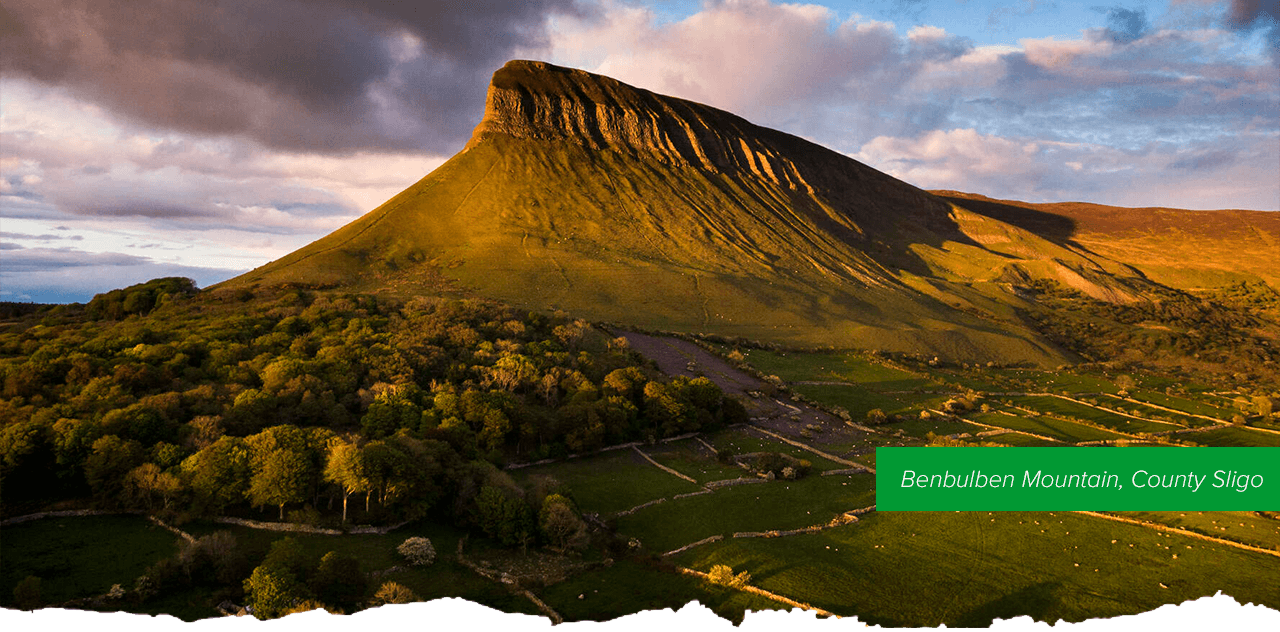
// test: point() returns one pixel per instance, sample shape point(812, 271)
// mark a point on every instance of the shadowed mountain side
point(581, 193)
point(1175, 247)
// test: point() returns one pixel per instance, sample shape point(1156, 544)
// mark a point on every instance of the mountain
point(581, 193)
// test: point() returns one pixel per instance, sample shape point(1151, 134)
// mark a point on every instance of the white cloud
point(1042, 171)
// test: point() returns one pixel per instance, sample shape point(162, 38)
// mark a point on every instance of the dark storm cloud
point(1258, 15)
point(1248, 12)
point(319, 75)
point(1124, 25)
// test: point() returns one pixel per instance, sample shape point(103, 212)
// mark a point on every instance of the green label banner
point(1077, 479)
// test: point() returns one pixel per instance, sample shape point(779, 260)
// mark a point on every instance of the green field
point(759, 507)
point(923, 569)
point(1232, 437)
point(1016, 440)
point(82, 556)
point(858, 400)
point(742, 441)
point(629, 586)
point(938, 425)
point(1186, 404)
point(1059, 381)
point(1047, 426)
point(1240, 526)
point(835, 367)
point(1100, 417)
point(1150, 412)
point(611, 481)
point(693, 460)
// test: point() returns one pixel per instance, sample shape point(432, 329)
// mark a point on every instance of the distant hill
point(581, 193)
point(1189, 250)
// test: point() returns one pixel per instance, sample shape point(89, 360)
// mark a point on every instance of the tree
point(876, 416)
point(495, 429)
point(504, 517)
point(1263, 405)
point(283, 469)
point(339, 581)
point(107, 465)
point(219, 474)
point(147, 481)
point(271, 591)
point(345, 468)
point(560, 524)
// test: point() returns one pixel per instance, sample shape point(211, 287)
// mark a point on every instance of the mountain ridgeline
point(581, 193)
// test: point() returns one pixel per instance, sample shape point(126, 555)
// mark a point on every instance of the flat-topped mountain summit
point(582, 193)
point(539, 101)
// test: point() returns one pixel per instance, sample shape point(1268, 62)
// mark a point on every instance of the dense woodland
point(1233, 331)
point(317, 406)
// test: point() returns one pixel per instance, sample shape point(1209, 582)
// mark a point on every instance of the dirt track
point(776, 413)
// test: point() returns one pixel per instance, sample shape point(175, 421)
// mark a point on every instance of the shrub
point(26, 595)
point(418, 551)
point(391, 592)
point(723, 576)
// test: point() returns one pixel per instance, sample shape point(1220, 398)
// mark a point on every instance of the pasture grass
point(941, 426)
point(80, 556)
point(1016, 440)
point(1240, 526)
point(967, 568)
point(1088, 413)
point(1048, 426)
point(834, 367)
point(742, 441)
point(693, 460)
point(778, 505)
point(611, 481)
point(629, 586)
point(1233, 437)
point(1186, 404)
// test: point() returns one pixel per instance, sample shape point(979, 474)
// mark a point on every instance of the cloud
point(304, 75)
point(1257, 15)
point(843, 82)
point(62, 275)
point(1002, 15)
point(1204, 160)
point(1124, 25)
point(26, 237)
point(1223, 174)
point(35, 259)
point(798, 67)
point(65, 159)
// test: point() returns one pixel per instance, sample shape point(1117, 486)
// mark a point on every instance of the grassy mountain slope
point(1189, 250)
point(581, 193)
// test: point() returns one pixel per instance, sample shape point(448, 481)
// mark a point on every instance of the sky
point(203, 138)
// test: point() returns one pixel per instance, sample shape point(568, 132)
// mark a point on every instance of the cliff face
point(536, 100)
point(540, 101)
